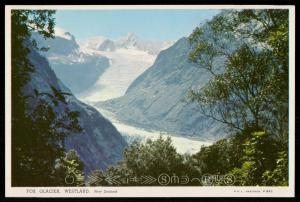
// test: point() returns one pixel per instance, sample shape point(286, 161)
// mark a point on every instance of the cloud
point(61, 33)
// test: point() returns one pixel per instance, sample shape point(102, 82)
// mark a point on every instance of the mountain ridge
point(87, 61)
point(131, 41)
point(66, 59)
point(156, 99)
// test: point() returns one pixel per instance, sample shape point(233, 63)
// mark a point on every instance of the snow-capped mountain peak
point(130, 41)
point(92, 43)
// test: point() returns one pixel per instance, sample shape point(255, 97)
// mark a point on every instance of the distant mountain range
point(87, 60)
point(131, 41)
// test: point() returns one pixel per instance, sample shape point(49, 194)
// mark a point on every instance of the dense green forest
point(248, 93)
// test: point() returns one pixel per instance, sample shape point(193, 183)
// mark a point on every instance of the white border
point(153, 191)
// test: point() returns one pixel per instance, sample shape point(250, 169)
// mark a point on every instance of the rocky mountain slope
point(156, 99)
point(70, 64)
point(99, 144)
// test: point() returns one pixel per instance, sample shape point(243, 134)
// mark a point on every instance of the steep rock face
point(66, 59)
point(59, 45)
point(79, 75)
point(99, 144)
point(107, 45)
point(155, 100)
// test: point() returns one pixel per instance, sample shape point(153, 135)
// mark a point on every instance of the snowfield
point(128, 56)
point(125, 66)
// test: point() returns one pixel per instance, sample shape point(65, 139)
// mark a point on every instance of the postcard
point(150, 101)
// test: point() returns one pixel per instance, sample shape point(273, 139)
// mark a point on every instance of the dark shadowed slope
point(100, 144)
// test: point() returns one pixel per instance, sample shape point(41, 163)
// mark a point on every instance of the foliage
point(218, 158)
point(37, 149)
point(152, 158)
point(258, 156)
point(23, 22)
point(38, 128)
point(279, 175)
point(246, 53)
point(251, 159)
point(247, 56)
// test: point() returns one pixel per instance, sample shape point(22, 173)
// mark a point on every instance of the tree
point(218, 158)
point(152, 158)
point(37, 150)
point(246, 53)
point(279, 176)
point(38, 129)
point(258, 156)
point(23, 23)
point(253, 160)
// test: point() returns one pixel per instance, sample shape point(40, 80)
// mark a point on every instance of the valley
point(131, 101)
point(138, 85)
point(182, 144)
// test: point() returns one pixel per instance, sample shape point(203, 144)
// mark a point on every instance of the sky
point(148, 24)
